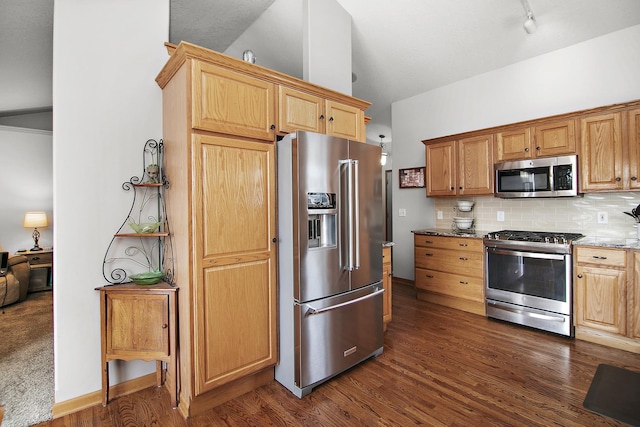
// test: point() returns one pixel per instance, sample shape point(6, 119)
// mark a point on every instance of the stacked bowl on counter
point(462, 222)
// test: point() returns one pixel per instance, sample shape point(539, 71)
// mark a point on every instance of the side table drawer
point(38, 259)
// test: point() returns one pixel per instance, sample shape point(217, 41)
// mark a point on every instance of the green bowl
point(150, 278)
point(144, 227)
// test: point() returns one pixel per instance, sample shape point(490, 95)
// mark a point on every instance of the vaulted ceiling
point(400, 48)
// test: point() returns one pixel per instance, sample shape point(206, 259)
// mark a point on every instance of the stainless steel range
point(528, 279)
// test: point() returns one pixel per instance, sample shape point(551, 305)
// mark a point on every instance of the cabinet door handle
point(459, 188)
point(599, 257)
point(618, 178)
point(633, 178)
point(330, 119)
point(464, 283)
point(463, 259)
point(452, 188)
point(321, 116)
point(579, 276)
point(526, 150)
point(274, 240)
point(538, 148)
point(272, 127)
point(165, 326)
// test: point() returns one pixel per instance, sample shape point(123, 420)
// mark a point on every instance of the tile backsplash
point(570, 214)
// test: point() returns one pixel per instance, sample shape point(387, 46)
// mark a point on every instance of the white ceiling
point(400, 48)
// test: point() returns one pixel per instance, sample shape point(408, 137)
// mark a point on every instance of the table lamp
point(35, 220)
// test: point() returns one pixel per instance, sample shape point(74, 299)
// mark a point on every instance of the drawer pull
point(428, 254)
point(35, 258)
point(599, 257)
point(462, 244)
point(464, 283)
point(463, 259)
point(429, 276)
point(428, 241)
point(579, 276)
point(165, 326)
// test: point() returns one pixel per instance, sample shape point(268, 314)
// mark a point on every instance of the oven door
point(529, 279)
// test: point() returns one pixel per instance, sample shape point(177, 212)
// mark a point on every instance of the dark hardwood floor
point(440, 367)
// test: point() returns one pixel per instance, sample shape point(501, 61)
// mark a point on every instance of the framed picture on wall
point(412, 177)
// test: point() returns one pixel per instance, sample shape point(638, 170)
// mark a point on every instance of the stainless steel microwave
point(546, 177)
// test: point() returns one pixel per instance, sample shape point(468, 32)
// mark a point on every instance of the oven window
point(524, 180)
point(544, 278)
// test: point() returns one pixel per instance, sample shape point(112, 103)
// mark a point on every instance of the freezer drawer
point(336, 333)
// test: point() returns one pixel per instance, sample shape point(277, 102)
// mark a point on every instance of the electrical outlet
point(603, 217)
point(500, 216)
point(402, 212)
point(439, 214)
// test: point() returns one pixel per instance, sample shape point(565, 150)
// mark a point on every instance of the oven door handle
point(527, 313)
point(525, 254)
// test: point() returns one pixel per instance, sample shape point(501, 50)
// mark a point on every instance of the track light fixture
point(530, 23)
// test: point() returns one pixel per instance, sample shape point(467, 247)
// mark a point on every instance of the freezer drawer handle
point(313, 311)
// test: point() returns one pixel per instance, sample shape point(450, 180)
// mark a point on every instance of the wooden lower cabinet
point(387, 284)
point(140, 323)
point(604, 302)
point(449, 271)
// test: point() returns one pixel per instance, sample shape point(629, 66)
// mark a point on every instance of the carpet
point(615, 393)
point(26, 360)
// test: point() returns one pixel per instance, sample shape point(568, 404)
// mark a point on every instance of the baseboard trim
point(401, 281)
point(60, 409)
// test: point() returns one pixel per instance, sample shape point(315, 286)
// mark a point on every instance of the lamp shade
point(35, 220)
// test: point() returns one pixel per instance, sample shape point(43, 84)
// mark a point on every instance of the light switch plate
point(402, 212)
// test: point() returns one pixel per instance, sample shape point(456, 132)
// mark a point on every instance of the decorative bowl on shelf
point(149, 278)
point(144, 227)
point(465, 205)
point(463, 223)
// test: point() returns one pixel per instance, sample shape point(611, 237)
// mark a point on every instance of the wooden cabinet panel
point(300, 111)
point(513, 145)
point(475, 165)
point(444, 260)
point(441, 169)
point(138, 327)
point(455, 285)
point(235, 258)
point(232, 103)
point(601, 299)
point(601, 159)
point(344, 121)
point(556, 138)
point(633, 126)
point(634, 299)
point(387, 284)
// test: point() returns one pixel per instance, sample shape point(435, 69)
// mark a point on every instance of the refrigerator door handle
point(356, 214)
point(348, 210)
point(313, 311)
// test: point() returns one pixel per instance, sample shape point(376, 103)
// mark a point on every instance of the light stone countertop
point(608, 242)
point(449, 232)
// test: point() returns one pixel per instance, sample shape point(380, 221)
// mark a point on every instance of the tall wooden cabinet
point(221, 117)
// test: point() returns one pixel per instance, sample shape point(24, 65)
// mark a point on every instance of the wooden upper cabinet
point(601, 157)
point(463, 167)
point(299, 111)
point(441, 169)
point(513, 144)
point(542, 140)
point(475, 165)
point(344, 121)
point(633, 123)
point(232, 103)
point(556, 138)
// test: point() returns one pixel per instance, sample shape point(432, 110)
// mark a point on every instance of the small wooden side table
point(138, 322)
point(40, 260)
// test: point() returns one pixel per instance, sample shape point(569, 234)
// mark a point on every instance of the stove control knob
point(547, 239)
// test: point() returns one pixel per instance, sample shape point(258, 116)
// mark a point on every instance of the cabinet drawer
point(455, 285)
point(466, 263)
point(37, 259)
point(445, 242)
point(601, 256)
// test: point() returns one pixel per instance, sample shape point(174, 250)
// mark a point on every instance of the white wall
point(26, 175)
point(594, 73)
point(107, 54)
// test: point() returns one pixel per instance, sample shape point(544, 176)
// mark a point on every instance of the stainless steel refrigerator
point(330, 228)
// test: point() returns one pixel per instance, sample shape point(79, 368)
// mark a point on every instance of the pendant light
point(383, 156)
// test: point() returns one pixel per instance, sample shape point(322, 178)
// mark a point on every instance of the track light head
point(530, 24)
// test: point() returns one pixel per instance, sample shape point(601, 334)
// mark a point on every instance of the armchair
point(14, 285)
